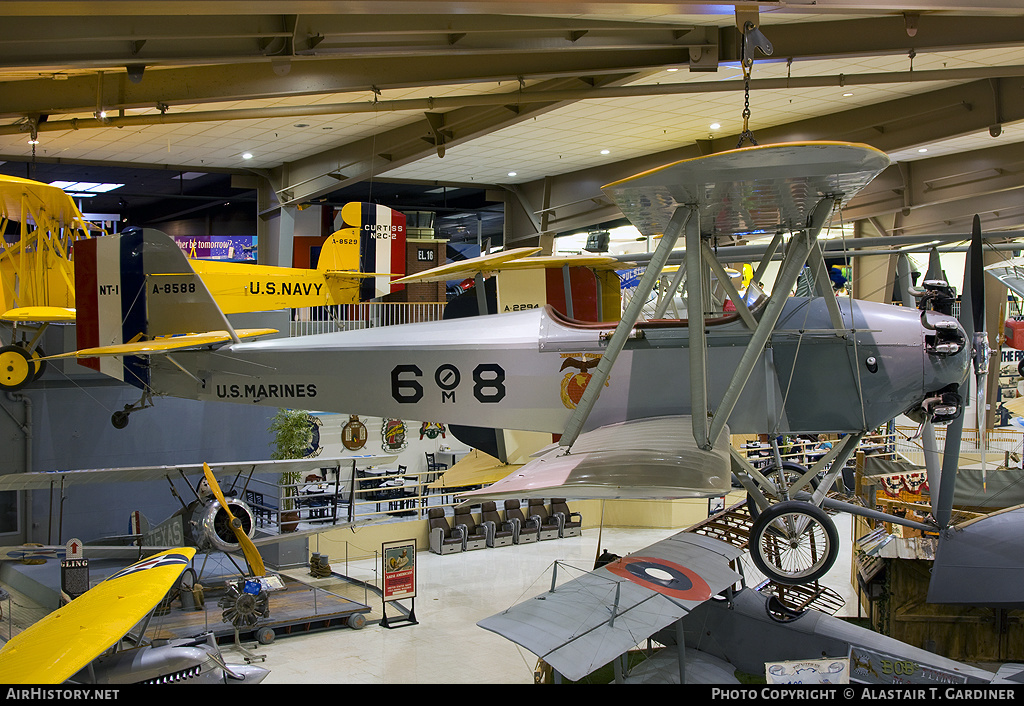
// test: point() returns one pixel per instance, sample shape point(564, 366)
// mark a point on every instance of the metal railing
point(283, 506)
point(346, 317)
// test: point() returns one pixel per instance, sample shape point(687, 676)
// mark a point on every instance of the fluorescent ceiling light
point(90, 187)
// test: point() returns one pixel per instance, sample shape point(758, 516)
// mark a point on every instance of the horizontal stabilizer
point(164, 345)
point(585, 623)
point(470, 267)
point(980, 562)
point(647, 458)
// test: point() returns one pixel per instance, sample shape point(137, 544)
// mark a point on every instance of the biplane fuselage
point(526, 370)
point(774, 364)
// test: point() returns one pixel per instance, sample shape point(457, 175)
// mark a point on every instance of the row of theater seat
point(465, 533)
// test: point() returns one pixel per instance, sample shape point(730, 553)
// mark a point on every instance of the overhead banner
point(238, 248)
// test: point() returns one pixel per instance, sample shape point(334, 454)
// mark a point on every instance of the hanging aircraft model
point(90, 640)
point(654, 410)
point(37, 280)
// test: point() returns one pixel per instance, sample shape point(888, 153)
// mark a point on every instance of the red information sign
point(399, 569)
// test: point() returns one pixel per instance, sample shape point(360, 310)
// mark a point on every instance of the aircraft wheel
point(16, 368)
point(793, 471)
point(357, 621)
point(39, 365)
point(794, 542)
point(265, 636)
point(119, 420)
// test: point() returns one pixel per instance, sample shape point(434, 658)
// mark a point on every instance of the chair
point(524, 530)
point(262, 511)
point(410, 488)
point(434, 468)
point(570, 523)
point(549, 528)
point(318, 503)
point(499, 532)
point(474, 536)
point(444, 539)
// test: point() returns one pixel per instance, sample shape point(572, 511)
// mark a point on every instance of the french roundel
point(665, 577)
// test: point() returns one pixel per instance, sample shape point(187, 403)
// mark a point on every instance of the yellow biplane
point(81, 642)
point(41, 222)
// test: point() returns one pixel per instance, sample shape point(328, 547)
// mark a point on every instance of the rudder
point(137, 286)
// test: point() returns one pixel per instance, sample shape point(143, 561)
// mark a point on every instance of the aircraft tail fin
point(340, 252)
point(137, 523)
point(138, 286)
point(380, 233)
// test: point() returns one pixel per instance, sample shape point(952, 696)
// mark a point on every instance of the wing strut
point(574, 426)
point(695, 266)
point(796, 256)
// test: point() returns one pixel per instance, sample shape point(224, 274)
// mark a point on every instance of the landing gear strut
point(120, 418)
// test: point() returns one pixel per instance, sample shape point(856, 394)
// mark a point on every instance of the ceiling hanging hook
point(752, 37)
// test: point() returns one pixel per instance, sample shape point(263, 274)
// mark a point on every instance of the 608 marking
point(488, 382)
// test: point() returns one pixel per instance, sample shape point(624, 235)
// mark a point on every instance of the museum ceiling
point(478, 109)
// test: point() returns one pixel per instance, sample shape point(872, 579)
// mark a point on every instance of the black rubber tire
point(807, 559)
point(795, 469)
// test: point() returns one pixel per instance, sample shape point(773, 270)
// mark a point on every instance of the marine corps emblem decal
point(574, 383)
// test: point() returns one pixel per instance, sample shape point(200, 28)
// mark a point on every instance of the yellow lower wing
point(39, 314)
point(62, 643)
point(164, 345)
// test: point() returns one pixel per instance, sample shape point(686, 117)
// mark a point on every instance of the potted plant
point(292, 437)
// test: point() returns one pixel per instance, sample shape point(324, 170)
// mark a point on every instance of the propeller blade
point(249, 550)
point(977, 272)
point(974, 295)
point(932, 460)
point(942, 505)
point(934, 266)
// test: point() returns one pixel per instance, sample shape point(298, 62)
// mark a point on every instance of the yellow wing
point(468, 268)
point(163, 345)
point(59, 645)
point(39, 314)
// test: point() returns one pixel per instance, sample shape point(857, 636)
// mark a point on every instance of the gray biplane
point(650, 407)
point(212, 520)
point(687, 594)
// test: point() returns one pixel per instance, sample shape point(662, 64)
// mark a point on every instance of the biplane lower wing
point(979, 562)
point(644, 458)
point(39, 315)
point(586, 623)
point(58, 646)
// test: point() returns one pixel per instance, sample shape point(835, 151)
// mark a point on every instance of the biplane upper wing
point(762, 189)
point(38, 480)
point(1010, 273)
point(645, 458)
point(55, 648)
point(587, 622)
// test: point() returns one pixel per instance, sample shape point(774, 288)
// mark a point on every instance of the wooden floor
point(299, 607)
